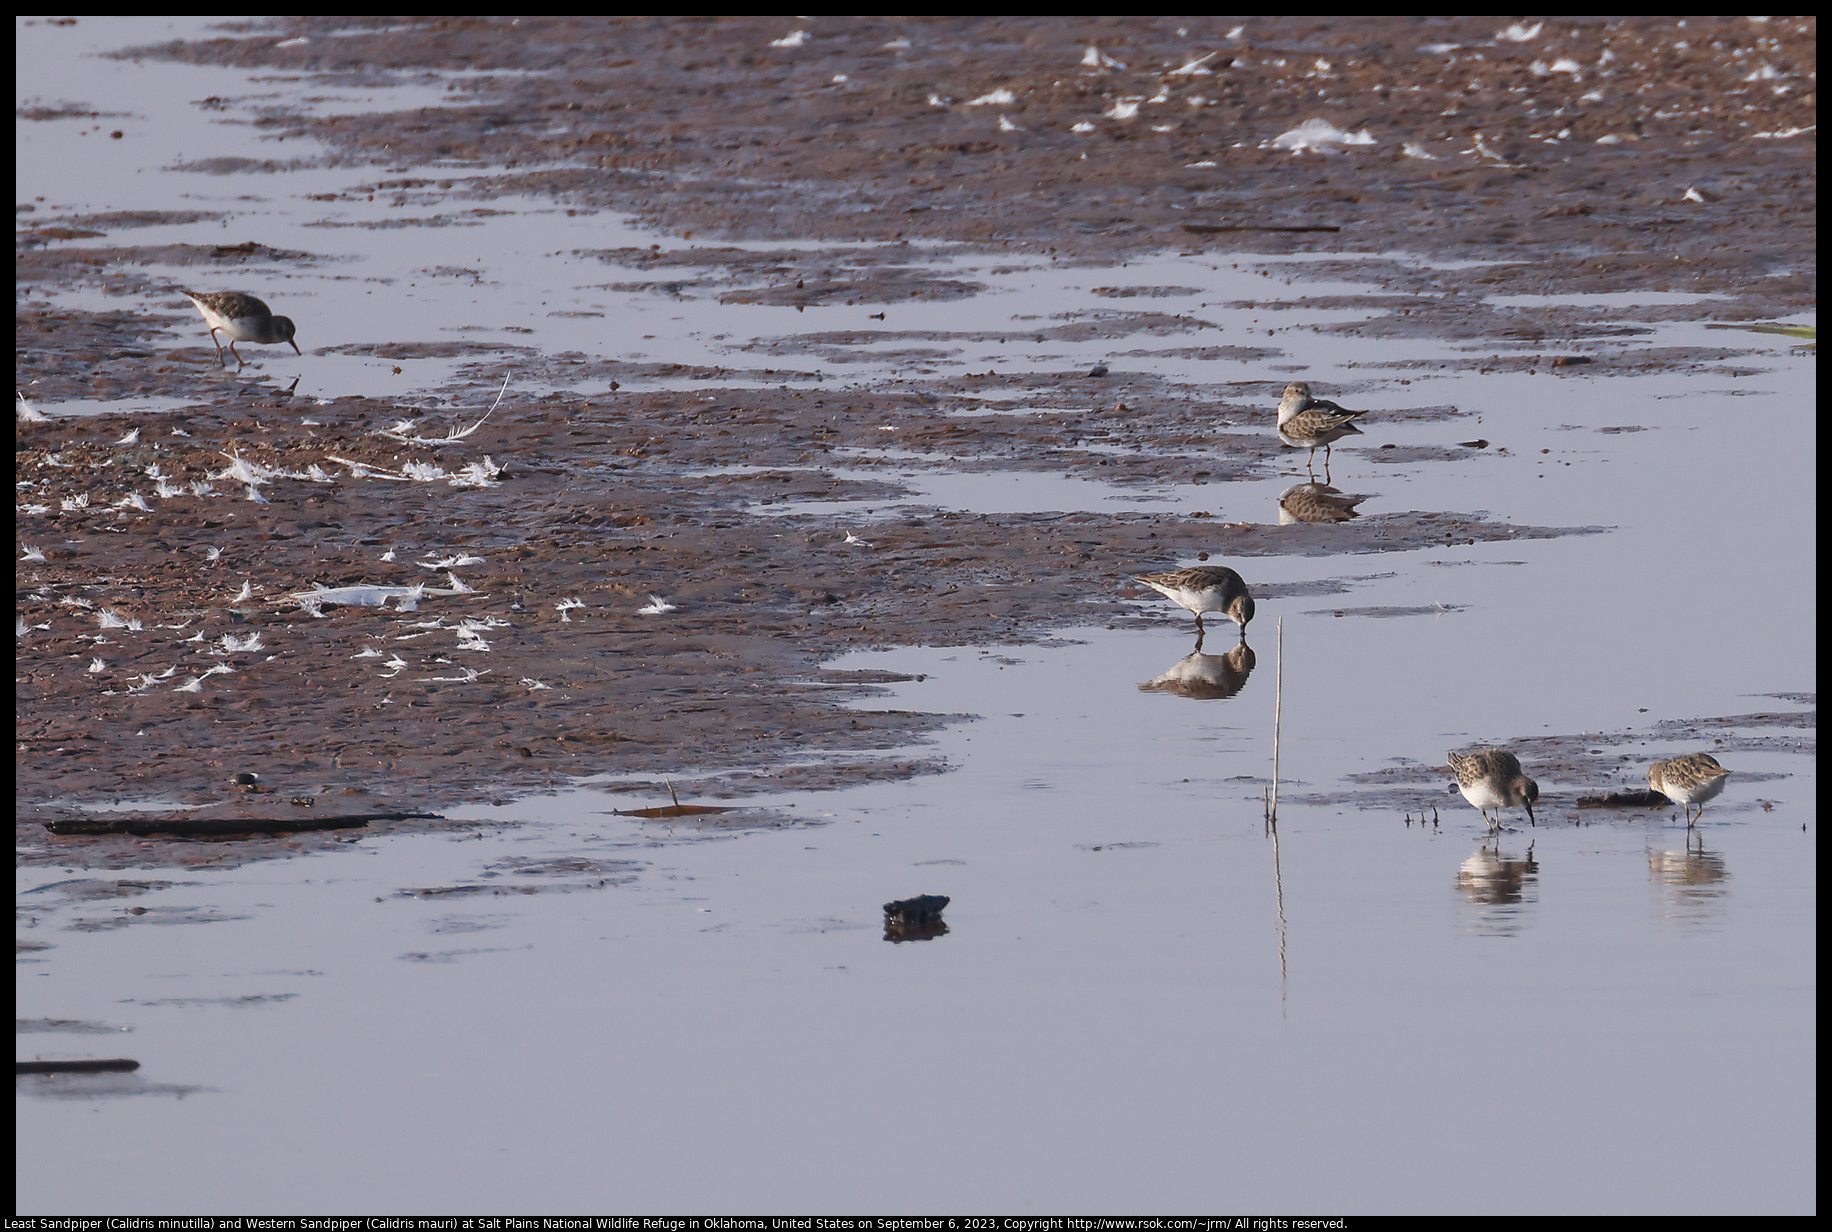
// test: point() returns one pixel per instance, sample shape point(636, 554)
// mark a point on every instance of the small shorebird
point(1491, 779)
point(240, 318)
point(1306, 422)
point(1206, 588)
point(1692, 779)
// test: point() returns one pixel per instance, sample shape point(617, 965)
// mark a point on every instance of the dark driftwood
point(218, 826)
point(1625, 799)
point(117, 1065)
point(1212, 228)
point(673, 810)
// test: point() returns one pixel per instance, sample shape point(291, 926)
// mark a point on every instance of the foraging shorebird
point(1492, 779)
point(240, 318)
point(1206, 588)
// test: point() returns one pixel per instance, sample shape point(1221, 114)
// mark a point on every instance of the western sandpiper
point(1206, 588)
point(1306, 422)
point(1491, 779)
point(240, 318)
point(1688, 780)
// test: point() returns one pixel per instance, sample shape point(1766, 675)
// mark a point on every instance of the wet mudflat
point(721, 459)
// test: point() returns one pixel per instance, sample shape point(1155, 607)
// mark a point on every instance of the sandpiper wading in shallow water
point(1492, 779)
point(1692, 779)
point(1205, 589)
point(1306, 422)
point(240, 318)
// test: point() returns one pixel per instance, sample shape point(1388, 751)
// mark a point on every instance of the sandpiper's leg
point(1198, 624)
point(219, 347)
point(240, 363)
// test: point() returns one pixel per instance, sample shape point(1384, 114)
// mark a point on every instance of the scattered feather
point(400, 431)
point(1320, 136)
point(132, 438)
point(313, 601)
point(469, 675)
point(28, 552)
point(657, 606)
point(999, 97)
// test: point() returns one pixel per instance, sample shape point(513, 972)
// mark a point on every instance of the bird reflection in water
point(1316, 503)
point(1205, 677)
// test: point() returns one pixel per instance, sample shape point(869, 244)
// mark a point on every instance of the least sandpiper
point(1306, 422)
point(1692, 779)
point(1206, 588)
point(240, 318)
point(1491, 779)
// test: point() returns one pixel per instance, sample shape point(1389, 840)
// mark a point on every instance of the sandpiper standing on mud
point(1306, 422)
point(240, 318)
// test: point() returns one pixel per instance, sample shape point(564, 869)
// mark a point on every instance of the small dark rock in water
point(1098, 370)
point(915, 919)
point(922, 908)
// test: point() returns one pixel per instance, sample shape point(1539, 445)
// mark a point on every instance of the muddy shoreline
point(610, 500)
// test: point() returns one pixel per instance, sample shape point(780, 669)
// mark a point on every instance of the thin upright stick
point(1278, 700)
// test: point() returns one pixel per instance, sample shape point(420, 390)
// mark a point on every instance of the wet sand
point(701, 128)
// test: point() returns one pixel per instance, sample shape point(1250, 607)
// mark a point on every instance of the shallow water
point(1142, 1000)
